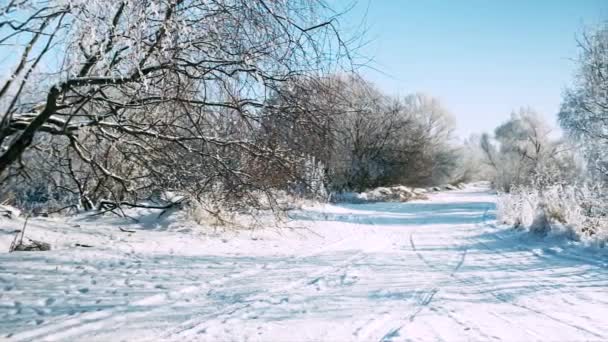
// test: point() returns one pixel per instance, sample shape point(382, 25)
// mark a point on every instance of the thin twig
point(23, 230)
point(126, 230)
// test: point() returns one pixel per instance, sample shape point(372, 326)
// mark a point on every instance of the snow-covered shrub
point(222, 215)
point(208, 214)
point(577, 212)
point(347, 197)
point(518, 206)
point(540, 224)
point(259, 209)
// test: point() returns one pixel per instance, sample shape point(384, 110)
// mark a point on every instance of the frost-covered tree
point(522, 152)
point(124, 98)
point(472, 162)
point(584, 110)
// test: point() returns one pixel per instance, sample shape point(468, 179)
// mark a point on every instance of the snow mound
point(399, 193)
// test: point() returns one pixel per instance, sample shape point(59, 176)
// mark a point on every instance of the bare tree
point(160, 94)
point(432, 156)
point(366, 138)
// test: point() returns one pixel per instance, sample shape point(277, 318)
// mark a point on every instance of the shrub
point(578, 212)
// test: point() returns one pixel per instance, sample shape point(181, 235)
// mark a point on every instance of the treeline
point(364, 138)
point(115, 103)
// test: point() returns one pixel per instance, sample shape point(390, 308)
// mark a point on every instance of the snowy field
point(426, 270)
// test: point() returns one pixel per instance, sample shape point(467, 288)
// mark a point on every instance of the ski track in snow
point(437, 270)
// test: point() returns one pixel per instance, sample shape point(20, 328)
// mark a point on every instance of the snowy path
point(429, 270)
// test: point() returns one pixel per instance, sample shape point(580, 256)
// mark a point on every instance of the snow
point(425, 270)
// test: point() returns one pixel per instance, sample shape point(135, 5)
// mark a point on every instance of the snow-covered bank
point(422, 270)
point(399, 193)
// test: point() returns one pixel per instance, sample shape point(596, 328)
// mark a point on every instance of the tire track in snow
point(383, 324)
point(544, 258)
point(89, 321)
point(261, 301)
point(201, 323)
point(423, 299)
point(452, 274)
point(521, 306)
point(386, 324)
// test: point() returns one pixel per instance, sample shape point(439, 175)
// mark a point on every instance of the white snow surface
point(436, 270)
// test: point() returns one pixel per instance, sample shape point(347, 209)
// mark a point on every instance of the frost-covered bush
point(579, 212)
point(260, 209)
point(518, 206)
point(208, 213)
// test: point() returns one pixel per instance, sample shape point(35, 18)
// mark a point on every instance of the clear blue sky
point(481, 58)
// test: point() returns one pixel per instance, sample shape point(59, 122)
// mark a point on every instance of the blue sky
point(481, 58)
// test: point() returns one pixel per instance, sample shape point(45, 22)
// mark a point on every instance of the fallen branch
point(126, 230)
point(113, 205)
point(71, 206)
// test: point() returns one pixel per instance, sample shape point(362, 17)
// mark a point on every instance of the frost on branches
point(577, 212)
point(120, 99)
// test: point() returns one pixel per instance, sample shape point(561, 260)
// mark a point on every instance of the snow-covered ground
point(425, 270)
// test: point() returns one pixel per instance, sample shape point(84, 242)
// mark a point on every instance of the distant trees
point(584, 110)
point(522, 152)
point(471, 161)
point(366, 138)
